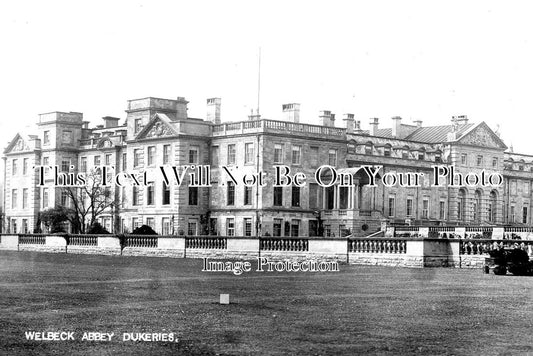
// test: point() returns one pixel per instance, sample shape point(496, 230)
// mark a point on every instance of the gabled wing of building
point(160, 125)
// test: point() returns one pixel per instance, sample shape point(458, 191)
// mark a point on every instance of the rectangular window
point(327, 230)
point(314, 157)
point(442, 210)
point(64, 198)
point(332, 158)
point(83, 164)
point(343, 197)
point(425, 208)
point(330, 197)
point(45, 161)
point(65, 165)
point(295, 228)
point(150, 195)
point(165, 226)
point(134, 223)
point(247, 227)
point(409, 207)
point(494, 162)
point(512, 214)
point(166, 154)
point(421, 156)
point(136, 157)
point(166, 194)
point(138, 126)
point(25, 166)
point(526, 188)
point(231, 154)
point(25, 226)
point(46, 138)
point(96, 161)
point(213, 230)
point(231, 193)
point(66, 137)
point(150, 222)
point(108, 159)
point(193, 195)
point(14, 225)
point(135, 195)
point(313, 228)
point(278, 153)
point(278, 196)
point(313, 196)
point(296, 154)
point(247, 195)
point(151, 155)
point(524, 215)
point(230, 226)
point(392, 206)
point(248, 153)
point(276, 231)
point(463, 158)
point(45, 198)
point(295, 196)
point(24, 198)
point(191, 228)
point(124, 162)
point(214, 156)
point(193, 154)
point(14, 167)
point(14, 198)
point(479, 161)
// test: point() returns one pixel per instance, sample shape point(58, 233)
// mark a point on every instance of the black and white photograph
point(266, 177)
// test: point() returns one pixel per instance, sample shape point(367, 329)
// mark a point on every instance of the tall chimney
point(374, 126)
point(325, 117)
point(357, 126)
point(349, 122)
point(396, 126)
point(181, 108)
point(332, 120)
point(291, 112)
point(213, 110)
point(460, 119)
point(418, 123)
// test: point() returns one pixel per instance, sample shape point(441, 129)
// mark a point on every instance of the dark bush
point(144, 230)
point(97, 228)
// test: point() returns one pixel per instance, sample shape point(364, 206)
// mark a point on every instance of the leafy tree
point(53, 218)
point(89, 201)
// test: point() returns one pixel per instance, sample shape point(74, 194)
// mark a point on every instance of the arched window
point(477, 205)
point(461, 205)
point(493, 199)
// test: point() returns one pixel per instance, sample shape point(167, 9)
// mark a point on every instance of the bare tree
point(89, 201)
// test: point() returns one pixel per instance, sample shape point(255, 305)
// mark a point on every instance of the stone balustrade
point(390, 251)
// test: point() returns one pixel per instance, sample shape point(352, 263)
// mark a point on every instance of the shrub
point(97, 228)
point(144, 230)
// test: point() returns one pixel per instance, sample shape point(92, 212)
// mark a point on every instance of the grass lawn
point(359, 310)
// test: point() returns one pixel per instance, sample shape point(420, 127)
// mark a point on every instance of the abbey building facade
point(159, 133)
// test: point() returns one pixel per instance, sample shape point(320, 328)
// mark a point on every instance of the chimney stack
point(374, 126)
point(357, 126)
point(418, 123)
point(396, 126)
point(213, 110)
point(325, 118)
point(349, 122)
point(460, 119)
point(291, 112)
point(110, 121)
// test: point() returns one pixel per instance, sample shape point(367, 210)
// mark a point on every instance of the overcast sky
point(423, 60)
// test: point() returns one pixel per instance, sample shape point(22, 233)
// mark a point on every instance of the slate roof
point(429, 134)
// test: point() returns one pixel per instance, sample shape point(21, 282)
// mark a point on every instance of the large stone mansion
point(158, 132)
